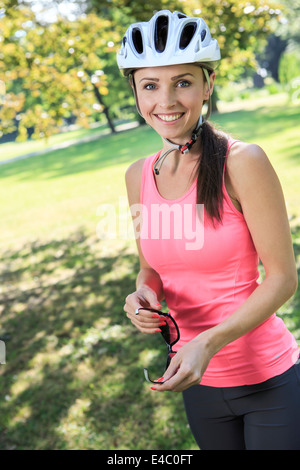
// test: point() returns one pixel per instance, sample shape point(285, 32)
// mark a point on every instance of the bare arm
point(149, 289)
point(258, 190)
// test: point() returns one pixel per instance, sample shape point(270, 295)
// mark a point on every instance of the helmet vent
point(203, 34)
point(161, 33)
point(187, 35)
point(137, 40)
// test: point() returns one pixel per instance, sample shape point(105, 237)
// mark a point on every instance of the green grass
point(60, 191)
point(73, 375)
point(275, 126)
point(15, 149)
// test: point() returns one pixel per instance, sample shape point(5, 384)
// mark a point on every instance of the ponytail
point(210, 171)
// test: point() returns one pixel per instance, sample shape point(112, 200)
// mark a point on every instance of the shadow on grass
point(73, 375)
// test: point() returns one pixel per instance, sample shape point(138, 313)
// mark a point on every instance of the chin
point(173, 135)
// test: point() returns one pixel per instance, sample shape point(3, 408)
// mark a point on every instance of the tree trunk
point(105, 109)
point(214, 99)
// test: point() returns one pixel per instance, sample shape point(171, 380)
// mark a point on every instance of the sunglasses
point(169, 331)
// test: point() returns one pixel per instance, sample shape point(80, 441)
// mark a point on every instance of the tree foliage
point(289, 29)
point(289, 66)
point(240, 26)
point(53, 71)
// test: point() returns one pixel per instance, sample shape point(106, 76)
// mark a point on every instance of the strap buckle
point(186, 148)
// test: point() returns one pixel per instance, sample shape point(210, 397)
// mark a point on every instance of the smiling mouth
point(169, 117)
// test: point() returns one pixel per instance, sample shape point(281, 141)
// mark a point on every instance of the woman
point(235, 362)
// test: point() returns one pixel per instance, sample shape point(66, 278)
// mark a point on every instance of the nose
point(167, 98)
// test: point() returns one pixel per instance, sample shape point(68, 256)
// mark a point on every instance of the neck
point(193, 150)
point(187, 146)
point(175, 160)
point(190, 150)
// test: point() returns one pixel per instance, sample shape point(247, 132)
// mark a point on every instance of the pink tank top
point(207, 273)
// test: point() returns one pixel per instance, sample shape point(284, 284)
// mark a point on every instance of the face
point(170, 98)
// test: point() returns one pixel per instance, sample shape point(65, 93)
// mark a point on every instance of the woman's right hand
point(145, 321)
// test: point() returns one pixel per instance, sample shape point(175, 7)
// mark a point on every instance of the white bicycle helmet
point(170, 39)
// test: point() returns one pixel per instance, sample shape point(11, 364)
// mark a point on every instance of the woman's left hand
point(187, 366)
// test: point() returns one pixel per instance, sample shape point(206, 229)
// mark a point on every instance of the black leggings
point(264, 416)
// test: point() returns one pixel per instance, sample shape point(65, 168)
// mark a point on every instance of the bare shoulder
point(248, 164)
point(244, 155)
point(134, 171)
point(133, 178)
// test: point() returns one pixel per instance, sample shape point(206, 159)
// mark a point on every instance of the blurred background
point(73, 371)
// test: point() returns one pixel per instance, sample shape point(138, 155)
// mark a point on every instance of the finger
point(146, 321)
point(150, 298)
point(147, 324)
point(180, 380)
point(135, 307)
point(168, 374)
point(176, 377)
point(144, 297)
point(145, 316)
point(177, 383)
point(146, 327)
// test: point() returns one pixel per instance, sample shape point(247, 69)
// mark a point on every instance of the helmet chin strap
point(182, 148)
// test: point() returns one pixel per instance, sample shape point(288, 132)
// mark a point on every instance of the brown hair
point(210, 171)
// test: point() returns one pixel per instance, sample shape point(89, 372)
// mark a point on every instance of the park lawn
point(15, 149)
point(276, 128)
point(53, 194)
point(73, 377)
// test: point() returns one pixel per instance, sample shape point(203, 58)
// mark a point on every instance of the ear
point(210, 87)
point(131, 81)
point(132, 84)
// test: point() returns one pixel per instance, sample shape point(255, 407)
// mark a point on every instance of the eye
point(150, 86)
point(183, 84)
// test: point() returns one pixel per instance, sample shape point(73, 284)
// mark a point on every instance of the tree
point(68, 68)
point(284, 40)
point(269, 59)
point(240, 26)
point(289, 28)
point(53, 71)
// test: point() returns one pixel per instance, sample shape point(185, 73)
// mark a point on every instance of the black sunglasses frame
point(165, 332)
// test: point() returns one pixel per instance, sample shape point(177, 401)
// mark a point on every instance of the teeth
point(170, 117)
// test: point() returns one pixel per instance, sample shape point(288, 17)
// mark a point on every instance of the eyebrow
point(173, 78)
